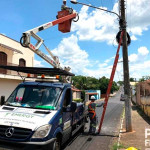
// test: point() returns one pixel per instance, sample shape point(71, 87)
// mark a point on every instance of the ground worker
point(92, 114)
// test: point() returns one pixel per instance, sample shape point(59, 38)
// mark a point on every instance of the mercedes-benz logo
point(9, 132)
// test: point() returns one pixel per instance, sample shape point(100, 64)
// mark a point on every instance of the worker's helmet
point(92, 98)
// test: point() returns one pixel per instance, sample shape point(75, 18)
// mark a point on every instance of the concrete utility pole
point(126, 70)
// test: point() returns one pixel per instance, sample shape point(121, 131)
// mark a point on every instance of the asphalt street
point(109, 130)
point(85, 141)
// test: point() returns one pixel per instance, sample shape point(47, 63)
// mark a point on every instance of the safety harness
point(91, 110)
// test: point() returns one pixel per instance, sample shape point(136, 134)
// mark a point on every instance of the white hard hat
point(93, 98)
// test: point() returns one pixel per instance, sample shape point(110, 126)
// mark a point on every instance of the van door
point(67, 116)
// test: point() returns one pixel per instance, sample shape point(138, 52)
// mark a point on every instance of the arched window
point(3, 61)
point(22, 62)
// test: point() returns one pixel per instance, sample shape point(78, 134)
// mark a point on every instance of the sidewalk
point(136, 138)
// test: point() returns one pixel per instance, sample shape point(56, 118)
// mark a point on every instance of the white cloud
point(110, 59)
point(139, 63)
point(140, 69)
point(140, 56)
point(71, 54)
point(98, 72)
point(38, 63)
point(133, 57)
point(143, 51)
point(136, 31)
point(138, 14)
point(133, 38)
point(101, 26)
point(96, 25)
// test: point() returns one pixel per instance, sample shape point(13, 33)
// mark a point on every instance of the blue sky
point(90, 47)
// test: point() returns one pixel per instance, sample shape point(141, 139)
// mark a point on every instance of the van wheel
point(56, 145)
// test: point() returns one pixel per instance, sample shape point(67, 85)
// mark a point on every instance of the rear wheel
point(82, 129)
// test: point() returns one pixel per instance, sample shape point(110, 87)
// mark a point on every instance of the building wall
point(97, 96)
point(143, 96)
point(9, 82)
point(8, 52)
point(76, 95)
point(7, 86)
point(14, 57)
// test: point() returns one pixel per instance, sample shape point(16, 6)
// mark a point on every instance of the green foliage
point(144, 78)
point(91, 83)
point(116, 147)
point(78, 100)
point(120, 83)
point(85, 83)
point(83, 94)
point(103, 85)
point(115, 87)
point(132, 79)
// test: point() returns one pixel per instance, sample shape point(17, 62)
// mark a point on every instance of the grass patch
point(115, 146)
point(123, 112)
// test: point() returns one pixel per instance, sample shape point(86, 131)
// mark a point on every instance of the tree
point(104, 85)
point(132, 79)
point(120, 83)
point(91, 83)
point(85, 83)
point(144, 78)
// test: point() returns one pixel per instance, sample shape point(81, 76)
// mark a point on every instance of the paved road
point(99, 142)
point(109, 129)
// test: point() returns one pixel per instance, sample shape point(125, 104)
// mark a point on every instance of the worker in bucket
point(92, 114)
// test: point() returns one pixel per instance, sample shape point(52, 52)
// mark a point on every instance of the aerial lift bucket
point(66, 25)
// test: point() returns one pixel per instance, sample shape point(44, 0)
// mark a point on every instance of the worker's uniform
point(92, 115)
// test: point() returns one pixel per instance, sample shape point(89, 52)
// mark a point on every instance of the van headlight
point(42, 131)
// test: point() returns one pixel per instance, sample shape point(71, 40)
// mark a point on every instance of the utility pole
point(126, 69)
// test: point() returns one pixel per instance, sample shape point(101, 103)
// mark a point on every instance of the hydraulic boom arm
point(26, 39)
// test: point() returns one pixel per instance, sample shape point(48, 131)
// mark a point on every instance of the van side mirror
point(73, 106)
point(2, 100)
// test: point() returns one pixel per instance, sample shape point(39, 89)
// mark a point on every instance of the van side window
point(67, 99)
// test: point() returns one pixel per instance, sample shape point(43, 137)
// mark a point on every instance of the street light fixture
point(75, 2)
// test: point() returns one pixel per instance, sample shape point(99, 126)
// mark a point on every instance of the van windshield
point(35, 97)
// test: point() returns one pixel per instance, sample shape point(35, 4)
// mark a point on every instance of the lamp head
point(73, 1)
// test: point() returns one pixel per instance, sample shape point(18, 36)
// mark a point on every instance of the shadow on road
point(87, 139)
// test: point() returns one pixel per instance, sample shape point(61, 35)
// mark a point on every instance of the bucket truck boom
point(26, 36)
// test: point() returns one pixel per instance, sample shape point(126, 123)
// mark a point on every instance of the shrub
point(77, 100)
